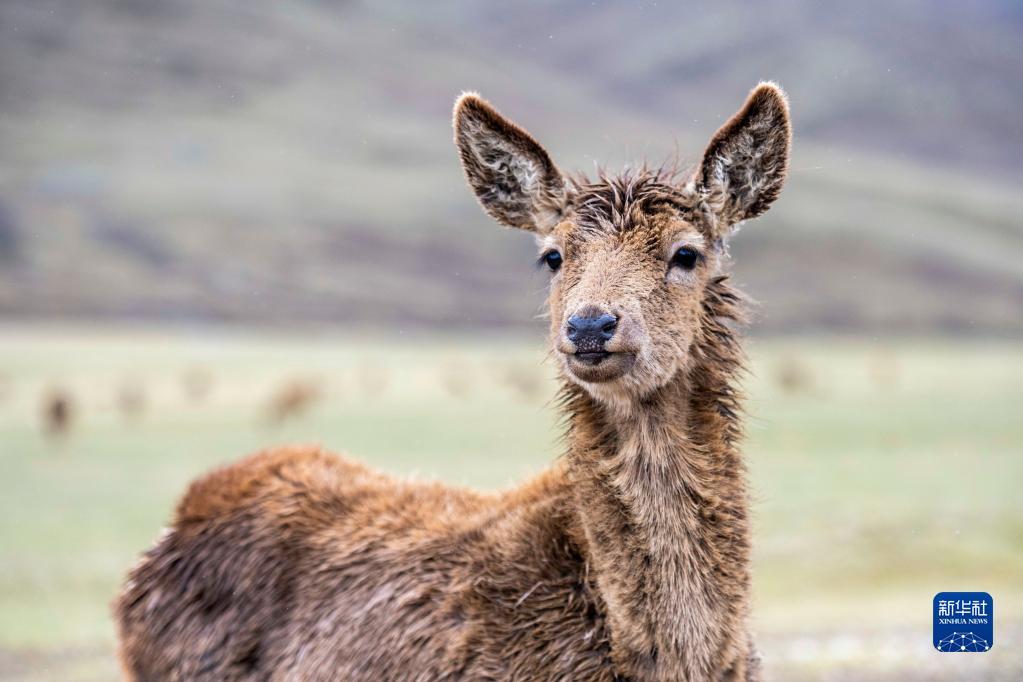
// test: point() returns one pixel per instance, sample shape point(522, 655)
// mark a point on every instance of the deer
point(627, 559)
point(58, 412)
point(293, 398)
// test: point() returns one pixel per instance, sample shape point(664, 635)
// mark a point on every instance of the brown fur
point(627, 559)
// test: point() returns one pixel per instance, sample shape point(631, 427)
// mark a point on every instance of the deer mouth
point(599, 366)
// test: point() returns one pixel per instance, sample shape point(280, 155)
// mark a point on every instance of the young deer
point(628, 559)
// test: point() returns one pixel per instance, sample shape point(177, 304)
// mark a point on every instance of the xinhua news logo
point(964, 622)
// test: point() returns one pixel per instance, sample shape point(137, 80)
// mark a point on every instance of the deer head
point(632, 257)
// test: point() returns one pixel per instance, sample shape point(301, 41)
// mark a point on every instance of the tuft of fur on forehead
point(615, 202)
point(741, 174)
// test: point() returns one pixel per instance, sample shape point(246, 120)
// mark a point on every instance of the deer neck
point(661, 497)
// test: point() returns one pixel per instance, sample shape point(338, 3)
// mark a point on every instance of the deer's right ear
point(512, 175)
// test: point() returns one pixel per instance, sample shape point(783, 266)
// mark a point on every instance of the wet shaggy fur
point(627, 559)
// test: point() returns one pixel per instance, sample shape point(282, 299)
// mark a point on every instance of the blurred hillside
point(281, 162)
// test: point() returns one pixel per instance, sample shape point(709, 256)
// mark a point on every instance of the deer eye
point(685, 258)
point(552, 259)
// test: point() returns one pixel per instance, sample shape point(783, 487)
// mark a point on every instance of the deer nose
point(589, 330)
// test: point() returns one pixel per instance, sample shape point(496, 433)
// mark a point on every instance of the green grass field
point(882, 474)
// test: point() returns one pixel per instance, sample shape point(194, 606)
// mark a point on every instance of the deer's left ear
point(512, 175)
point(745, 164)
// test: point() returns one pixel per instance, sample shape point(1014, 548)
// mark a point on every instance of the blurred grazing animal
point(293, 399)
point(455, 378)
point(131, 401)
point(793, 376)
point(198, 382)
point(883, 369)
point(373, 380)
point(58, 412)
point(525, 380)
point(628, 559)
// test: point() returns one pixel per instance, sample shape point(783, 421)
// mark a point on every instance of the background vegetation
point(282, 162)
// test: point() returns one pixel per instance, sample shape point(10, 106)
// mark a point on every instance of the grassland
point(882, 473)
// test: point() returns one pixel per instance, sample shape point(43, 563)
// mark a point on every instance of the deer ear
point(745, 164)
point(512, 175)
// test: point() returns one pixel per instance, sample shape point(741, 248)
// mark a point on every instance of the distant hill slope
point(281, 162)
